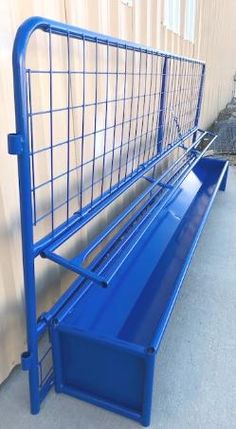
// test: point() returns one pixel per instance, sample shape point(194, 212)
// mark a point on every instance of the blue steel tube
point(20, 94)
point(148, 387)
point(199, 102)
point(162, 108)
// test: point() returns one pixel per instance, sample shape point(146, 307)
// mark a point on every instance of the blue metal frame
point(165, 121)
point(162, 105)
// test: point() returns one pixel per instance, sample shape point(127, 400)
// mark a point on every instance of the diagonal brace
point(75, 268)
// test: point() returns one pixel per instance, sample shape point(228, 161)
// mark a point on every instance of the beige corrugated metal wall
point(143, 23)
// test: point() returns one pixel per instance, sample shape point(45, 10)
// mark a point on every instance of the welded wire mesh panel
point(105, 132)
point(182, 96)
point(98, 113)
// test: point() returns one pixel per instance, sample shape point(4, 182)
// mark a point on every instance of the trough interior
point(132, 307)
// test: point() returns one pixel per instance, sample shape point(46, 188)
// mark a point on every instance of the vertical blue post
point(224, 180)
point(30, 358)
point(161, 121)
point(148, 387)
point(199, 102)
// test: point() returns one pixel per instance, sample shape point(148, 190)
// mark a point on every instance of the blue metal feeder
point(139, 174)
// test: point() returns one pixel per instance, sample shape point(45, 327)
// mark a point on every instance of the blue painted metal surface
point(107, 326)
point(133, 312)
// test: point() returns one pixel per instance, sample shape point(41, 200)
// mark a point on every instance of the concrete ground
point(195, 382)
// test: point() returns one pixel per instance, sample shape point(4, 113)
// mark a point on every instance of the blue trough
point(105, 341)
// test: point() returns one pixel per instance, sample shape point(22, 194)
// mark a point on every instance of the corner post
point(19, 145)
point(199, 102)
point(224, 180)
point(162, 112)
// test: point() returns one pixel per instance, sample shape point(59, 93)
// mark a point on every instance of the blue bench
point(142, 187)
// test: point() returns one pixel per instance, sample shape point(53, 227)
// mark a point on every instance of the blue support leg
point(224, 180)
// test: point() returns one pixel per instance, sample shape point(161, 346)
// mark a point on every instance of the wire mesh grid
point(100, 121)
point(97, 114)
